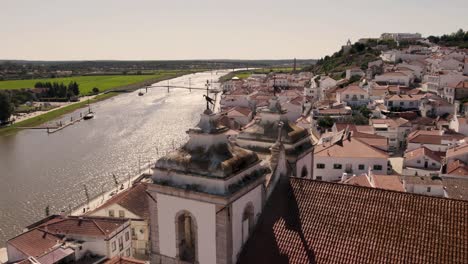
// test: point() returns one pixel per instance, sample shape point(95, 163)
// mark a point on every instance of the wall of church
point(205, 218)
point(238, 207)
point(304, 162)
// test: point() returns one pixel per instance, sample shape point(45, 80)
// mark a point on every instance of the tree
point(325, 122)
point(76, 88)
point(95, 90)
point(6, 107)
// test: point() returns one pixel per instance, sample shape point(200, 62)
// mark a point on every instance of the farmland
point(103, 82)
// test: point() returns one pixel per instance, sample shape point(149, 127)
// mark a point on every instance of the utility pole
point(86, 194)
point(167, 85)
point(207, 87)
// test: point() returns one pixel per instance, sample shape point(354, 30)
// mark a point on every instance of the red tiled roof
point(456, 188)
point(124, 260)
point(432, 137)
point(309, 221)
point(83, 225)
point(35, 242)
point(423, 151)
point(457, 167)
point(462, 84)
point(459, 150)
point(352, 148)
point(135, 200)
point(354, 89)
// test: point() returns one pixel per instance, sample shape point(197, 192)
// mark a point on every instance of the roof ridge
point(381, 190)
point(100, 229)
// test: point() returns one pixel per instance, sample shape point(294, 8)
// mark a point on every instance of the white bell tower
point(206, 198)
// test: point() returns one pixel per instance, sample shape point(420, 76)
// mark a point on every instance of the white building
point(424, 159)
point(435, 140)
point(423, 185)
point(354, 72)
point(131, 204)
point(60, 239)
point(349, 155)
point(397, 78)
point(459, 124)
point(352, 95)
point(403, 101)
point(395, 129)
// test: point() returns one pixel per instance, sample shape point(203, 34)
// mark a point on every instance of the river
point(39, 169)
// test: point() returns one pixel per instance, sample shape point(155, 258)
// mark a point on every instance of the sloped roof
point(456, 188)
point(351, 148)
point(459, 150)
point(84, 226)
point(354, 89)
point(35, 242)
point(124, 260)
point(421, 152)
point(457, 167)
point(309, 221)
point(134, 199)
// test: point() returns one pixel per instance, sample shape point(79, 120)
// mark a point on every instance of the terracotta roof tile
point(423, 151)
point(349, 148)
point(457, 167)
point(135, 200)
point(35, 242)
point(124, 260)
point(319, 222)
point(456, 188)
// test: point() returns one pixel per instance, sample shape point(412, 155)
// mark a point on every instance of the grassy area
point(104, 83)
point(41, 119)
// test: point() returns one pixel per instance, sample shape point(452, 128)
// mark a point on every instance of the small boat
point(140, 93)
point(90, 113)
point(88, 116)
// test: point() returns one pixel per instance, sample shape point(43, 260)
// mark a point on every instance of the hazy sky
point(210, 29)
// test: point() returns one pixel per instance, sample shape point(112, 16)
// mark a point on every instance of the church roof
point(309, 221)
point(208, 152)
point(266, 129)
point(218, 161)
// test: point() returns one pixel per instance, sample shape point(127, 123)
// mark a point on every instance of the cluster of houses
point(262, 181)
point(417, 98)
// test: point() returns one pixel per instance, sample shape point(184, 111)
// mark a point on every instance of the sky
point(210, 29)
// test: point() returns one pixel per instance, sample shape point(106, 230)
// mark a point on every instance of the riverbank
point(58, 112)
point(52, 114)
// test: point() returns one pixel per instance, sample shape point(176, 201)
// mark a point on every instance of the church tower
point(262, 135)
point(206, 198)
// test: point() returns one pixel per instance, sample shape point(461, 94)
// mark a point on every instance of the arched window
point(247, 221)
point(186, 236)
point(304, 172)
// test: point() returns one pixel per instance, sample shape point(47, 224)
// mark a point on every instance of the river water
point(39, 170)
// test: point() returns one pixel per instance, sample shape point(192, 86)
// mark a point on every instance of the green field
point(87, 83)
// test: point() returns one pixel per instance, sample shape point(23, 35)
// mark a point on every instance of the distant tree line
point(59, 90)
point(459, 39)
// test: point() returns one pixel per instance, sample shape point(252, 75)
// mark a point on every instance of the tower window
point(186, 236)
